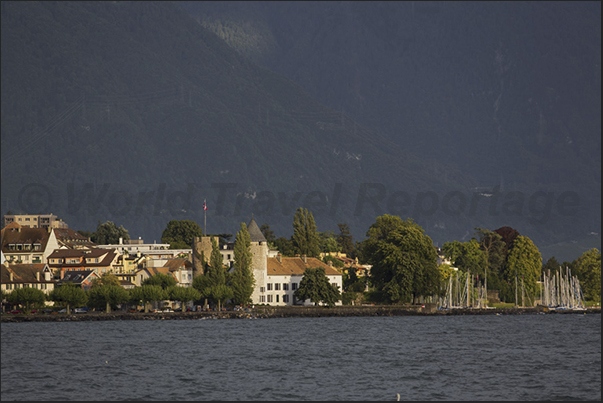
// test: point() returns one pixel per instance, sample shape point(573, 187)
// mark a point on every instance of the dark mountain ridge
point(133, 112)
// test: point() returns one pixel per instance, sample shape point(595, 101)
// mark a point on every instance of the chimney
point(38, 276)
point(304, 258)
point(12, 278)
point(121, 241)
point(279, 258)
point(330, 263)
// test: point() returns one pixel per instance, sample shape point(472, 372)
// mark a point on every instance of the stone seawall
point(265, 312)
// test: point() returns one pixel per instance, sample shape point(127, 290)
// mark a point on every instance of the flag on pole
point(204, 206)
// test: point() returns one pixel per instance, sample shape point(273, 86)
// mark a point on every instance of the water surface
point(484, 357)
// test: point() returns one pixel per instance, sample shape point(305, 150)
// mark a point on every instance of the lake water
point(484, 357)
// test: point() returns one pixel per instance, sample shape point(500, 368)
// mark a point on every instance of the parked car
point(80, 310)
point(64, 310)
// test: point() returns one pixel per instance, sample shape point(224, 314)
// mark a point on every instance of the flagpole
point(205, 217)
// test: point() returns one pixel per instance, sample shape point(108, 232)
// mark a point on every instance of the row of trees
point(502, 259)
point(403, 259)
point(105, 293)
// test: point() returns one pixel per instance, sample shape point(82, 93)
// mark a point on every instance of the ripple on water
point(550, 357)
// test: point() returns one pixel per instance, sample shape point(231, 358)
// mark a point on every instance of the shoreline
point(267, 312)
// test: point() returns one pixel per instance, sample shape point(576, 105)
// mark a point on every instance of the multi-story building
point(150, 250)
point(33, 275)
point(27, 245)
point(99, 260)
point(276, 277)
point(33, 245)
point(35, 220)
point(284, 274)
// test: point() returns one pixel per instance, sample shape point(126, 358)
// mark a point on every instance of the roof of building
point(297, 266)
point(177, 263)
point(17, 234)
point(159, 270)
point(77, 276)
point(24, 273)
point(254, 232)
point(71, 238)
point(107, 256)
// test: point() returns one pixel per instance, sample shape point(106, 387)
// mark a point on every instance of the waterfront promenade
point(266, 312)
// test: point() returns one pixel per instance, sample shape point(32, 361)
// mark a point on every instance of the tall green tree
point(306, 240)
point(180, 233)
point(213, 283)
point(472, 259)
point(268, 233)
point(551, 265)
point(183, 294)
point(165, 281)
point(146, 294)
point(107, 296)
point(243, 281)
point(316, 287)
point(345, 240)
point(105, 279)
point(328, 242)
point(524, 264)
point(27, 297)
point(108, 233)
point(589, 273)
point(492, 244)
point(284, 246)
point(403, 259)
point(69, 295)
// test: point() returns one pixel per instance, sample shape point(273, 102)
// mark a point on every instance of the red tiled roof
point(72, 238)
point(23, 273)
point(297, 266)
point(23, 235)
point(175, 264)
point(107, 255)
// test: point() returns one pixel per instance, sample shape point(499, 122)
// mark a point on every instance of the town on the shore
point(47, 266)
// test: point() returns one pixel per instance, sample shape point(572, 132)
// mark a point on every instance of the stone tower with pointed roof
point(259, 259)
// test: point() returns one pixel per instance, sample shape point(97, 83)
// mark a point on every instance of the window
point(269, 298)
point(277, 298)
point(285, 287)
point(269, 286)
point(262, 299)
point(277, 287)
point(285, 298)
point(262, 289)
point(294, 286)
